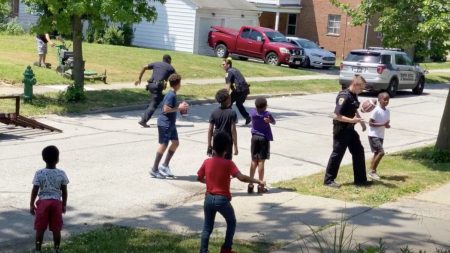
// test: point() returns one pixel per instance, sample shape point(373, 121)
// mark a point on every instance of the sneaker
point(157, 174)
point(223, 250)
point(250, 188)
point(143, 124)
point(165, 170)
point(248, 120)
point(374, 176)
point(364, 184)
point(332, 184)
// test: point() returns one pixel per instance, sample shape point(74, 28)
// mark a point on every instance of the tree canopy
point(403, 22)
point(67, 16)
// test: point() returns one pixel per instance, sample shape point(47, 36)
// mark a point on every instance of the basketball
point(368, 105)
point(183, 108)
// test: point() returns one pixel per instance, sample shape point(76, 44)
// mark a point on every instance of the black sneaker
point(247, 121)
point(364, 184)
point(250, 188)
point(143, 124)
point(332, 184)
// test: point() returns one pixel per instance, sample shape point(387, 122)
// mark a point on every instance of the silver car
point(315, 56)
point(387, 69)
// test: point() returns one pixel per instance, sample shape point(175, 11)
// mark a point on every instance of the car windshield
point(307, 44)
point(368, 57)
point(276, 37)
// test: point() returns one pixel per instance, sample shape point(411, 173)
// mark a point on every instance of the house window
point(14, 8)
point(334, 24)
point(292, 24)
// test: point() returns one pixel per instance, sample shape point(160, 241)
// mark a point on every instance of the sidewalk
point(39, 89)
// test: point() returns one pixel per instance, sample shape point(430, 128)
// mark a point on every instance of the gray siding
point(173, 29)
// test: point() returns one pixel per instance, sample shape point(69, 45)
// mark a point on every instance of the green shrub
point(437, 52)
point(74, 94)
point(13, 28)
point(127, 34)
point(113, 36)
point(95, 34)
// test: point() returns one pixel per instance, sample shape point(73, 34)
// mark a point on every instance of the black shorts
point(166, 134)
point(376, 144)
point(260, 148)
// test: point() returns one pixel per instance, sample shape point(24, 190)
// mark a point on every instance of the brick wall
point(313, 24)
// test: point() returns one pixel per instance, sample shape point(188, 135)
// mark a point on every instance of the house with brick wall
point(318, 21)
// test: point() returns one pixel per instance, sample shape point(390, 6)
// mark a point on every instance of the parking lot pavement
point(107, 157)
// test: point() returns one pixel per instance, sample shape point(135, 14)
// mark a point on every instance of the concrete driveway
point(107, 157)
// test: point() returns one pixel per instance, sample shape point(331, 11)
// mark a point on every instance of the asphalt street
point(107, 157)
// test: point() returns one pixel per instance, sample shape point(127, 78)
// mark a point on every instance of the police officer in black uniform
point(344, 134)
point(239, 87)
point(156, 84)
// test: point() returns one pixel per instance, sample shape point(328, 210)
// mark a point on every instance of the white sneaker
point(374, 176)
point(157, 174)
point(165, 170)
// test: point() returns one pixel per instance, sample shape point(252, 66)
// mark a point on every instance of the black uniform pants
point(155, 99)
point(239, 98)
point(347, 137)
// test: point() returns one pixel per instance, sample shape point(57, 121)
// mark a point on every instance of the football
point(183, 108)
point(368, 105)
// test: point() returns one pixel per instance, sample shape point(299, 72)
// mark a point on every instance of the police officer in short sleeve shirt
point(344, 135)
point(156, 84)
point(239, 88)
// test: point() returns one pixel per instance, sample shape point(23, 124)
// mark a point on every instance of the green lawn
point(122, 64)
point(403, 174)
point(436, 65)
point(120, 239)
point(51, 103)
point(437, 78)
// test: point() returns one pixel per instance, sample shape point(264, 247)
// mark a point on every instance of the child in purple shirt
point(261, 137)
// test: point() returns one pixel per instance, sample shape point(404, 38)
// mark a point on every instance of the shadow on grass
point(425, 156)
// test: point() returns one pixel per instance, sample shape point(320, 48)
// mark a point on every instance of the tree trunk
point(443, 139)
point(78, 64)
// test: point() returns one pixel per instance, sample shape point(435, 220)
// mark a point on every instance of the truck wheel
point(221, 51)
point(272, 59)
point(392, 88)
point(306, 63)
point(418, 90)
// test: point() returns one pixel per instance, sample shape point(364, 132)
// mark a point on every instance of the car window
point(367, 57)
point(308, 44)
point(245, 33)
point(255, 35)
point(399, 60)
point(276, 36)
point(386, 59)
point(407, 60)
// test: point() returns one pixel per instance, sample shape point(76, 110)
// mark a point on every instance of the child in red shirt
point(216, 172)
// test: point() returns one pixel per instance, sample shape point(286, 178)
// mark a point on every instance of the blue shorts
point(167, 134)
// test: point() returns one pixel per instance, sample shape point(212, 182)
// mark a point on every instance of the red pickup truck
point(255, 42)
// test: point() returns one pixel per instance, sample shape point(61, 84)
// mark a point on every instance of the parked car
point(387, 69)
point(314, 55)
point(255, 42)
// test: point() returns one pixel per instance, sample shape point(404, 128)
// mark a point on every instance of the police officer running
point(239, 87)
point(156, 84)
point(344, 134)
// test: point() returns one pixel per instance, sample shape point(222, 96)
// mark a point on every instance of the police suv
point(387, 69)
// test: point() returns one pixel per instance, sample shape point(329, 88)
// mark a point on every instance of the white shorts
point(41, 46)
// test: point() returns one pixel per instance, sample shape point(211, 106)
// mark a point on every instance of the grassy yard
point(436, 65)
point(121, 239)
point(437, 78)
point(51, 103)
point(122, 64)
point(403, 174)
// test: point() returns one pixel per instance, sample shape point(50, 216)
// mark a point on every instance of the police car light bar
point(386, 48)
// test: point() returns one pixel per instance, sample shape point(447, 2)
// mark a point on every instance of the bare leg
point(56, 239)
point(159, 154)
point(172, 148)
point(41, 59)
point(39, 239)
point(261, 169)
point(375, 161)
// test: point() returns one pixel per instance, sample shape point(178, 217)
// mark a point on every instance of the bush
point(74, 94)
point(113, 36)
point(13, 28)
point(437, 52)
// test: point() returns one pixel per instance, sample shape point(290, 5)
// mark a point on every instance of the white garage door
point(204, 28)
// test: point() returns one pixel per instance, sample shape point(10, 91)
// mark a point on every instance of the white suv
point(387, 69)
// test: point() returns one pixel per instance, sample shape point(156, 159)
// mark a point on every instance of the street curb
point(190, 102)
